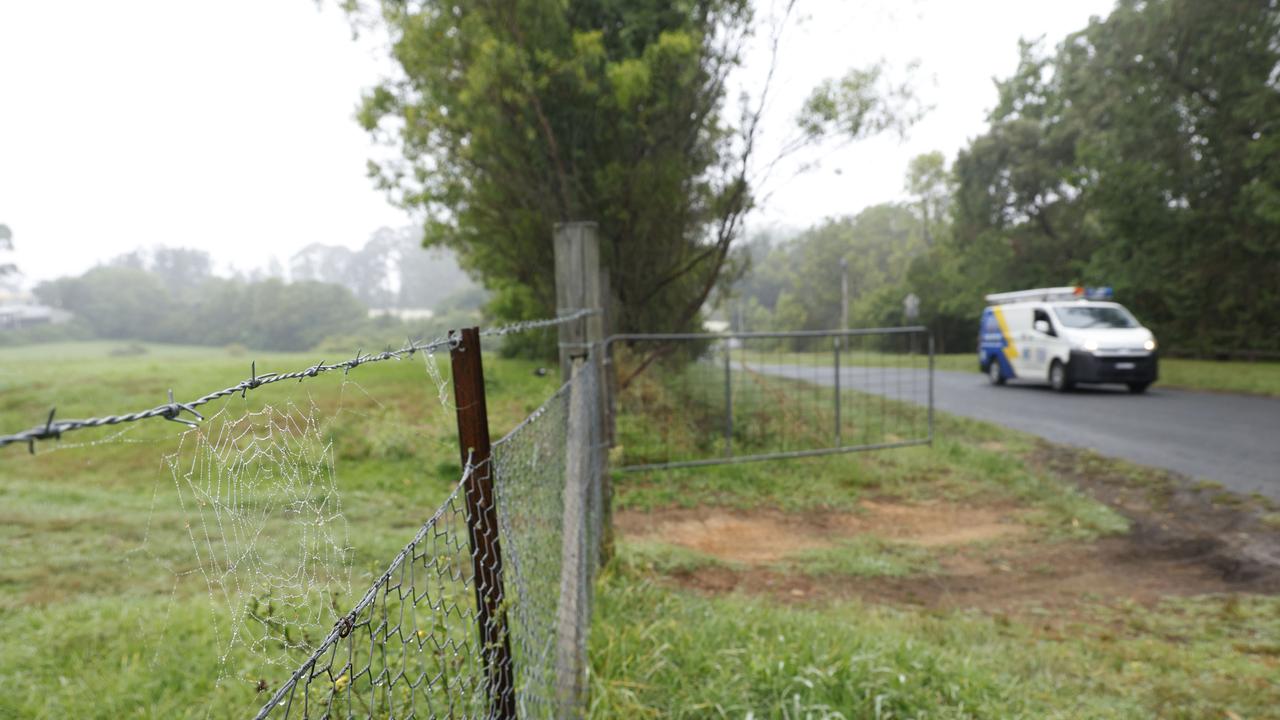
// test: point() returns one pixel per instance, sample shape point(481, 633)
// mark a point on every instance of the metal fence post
point(837, 384)
point(728, 401)
point(482, 525)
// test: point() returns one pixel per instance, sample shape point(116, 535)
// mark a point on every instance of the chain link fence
point(683, 400)
point(485, 613)
point(547, 479)
point(409, 647)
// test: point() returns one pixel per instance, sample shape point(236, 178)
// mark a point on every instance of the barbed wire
point(527, 325)
point(173, 410)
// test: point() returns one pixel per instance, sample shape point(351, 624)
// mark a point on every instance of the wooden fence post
point(482, 525)
point(574, 570)
point(581, 284)
point(577, 251)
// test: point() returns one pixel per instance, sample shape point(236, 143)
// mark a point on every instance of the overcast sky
point(229, 126)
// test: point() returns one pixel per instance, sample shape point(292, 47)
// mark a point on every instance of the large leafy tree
point(795, 285)
point(510, 116)
point(1143, 154)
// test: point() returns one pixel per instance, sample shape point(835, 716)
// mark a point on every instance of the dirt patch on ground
point(1051, 577)
point(1230, 532)
point(987, 558)
point(938, 524)
point(767, 536)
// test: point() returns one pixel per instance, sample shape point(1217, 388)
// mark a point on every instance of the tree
point(181, 269)
point(511, 116)
point(392, 270)
point(123, 301)
point(6, 245)
point(117, 302)
point(1141, 154)
point(799, 280)
point(929, 183)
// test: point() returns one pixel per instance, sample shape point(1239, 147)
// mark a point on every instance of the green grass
point(1257, 378)
point(660, 653)
point(99, 620)
point(858, 357)
point(1238, 376)
point(100, 609)
point(678, 416)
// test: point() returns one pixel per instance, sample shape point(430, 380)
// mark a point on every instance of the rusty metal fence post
point(482, 525)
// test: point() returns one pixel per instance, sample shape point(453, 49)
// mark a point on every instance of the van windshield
point(1095, 316)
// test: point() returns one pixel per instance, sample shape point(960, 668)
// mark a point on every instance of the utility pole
point(844, 294)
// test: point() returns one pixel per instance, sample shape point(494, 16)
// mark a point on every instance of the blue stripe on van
point(992, 343)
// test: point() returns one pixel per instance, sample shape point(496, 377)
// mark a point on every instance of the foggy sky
point(229, 126)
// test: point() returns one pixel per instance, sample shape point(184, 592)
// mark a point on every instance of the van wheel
point(993, 372)
point(1138, 388)
point(1058, 377)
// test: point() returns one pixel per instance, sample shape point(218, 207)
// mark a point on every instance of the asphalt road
point(1231, 439)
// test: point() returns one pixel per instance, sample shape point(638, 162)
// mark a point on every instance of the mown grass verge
point(659, 652)
point(683, 633)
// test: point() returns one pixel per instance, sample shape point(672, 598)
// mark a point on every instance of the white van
point(1064, 336)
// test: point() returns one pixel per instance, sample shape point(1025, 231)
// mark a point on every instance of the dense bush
point(134, 304)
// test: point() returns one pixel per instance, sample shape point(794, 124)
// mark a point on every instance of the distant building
point(403, 313)
point(17, 316)
point(715, 326)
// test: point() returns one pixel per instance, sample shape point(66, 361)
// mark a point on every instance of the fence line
point(432, 575)
point(485, 613)
point(737, 397)
point(53, 429)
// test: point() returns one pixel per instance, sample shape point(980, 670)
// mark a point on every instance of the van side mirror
point(1042, 326)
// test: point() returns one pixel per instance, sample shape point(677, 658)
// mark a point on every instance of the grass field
point(103, 612)
point(925, 582)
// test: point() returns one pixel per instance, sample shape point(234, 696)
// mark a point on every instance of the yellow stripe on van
point(1010, 352)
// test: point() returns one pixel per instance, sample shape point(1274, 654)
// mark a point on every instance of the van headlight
point(1149, 345)
point(1090, 345)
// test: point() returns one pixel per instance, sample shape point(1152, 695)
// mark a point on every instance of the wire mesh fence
point(547, 475)
point(410, 646)
point(702, 399)
point(485, 613)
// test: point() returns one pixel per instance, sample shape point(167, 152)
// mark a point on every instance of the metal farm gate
point(684, 400)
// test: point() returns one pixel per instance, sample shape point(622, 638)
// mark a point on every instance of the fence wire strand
point(53, 429)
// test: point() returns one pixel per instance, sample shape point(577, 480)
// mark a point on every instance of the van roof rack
point(1070, 292)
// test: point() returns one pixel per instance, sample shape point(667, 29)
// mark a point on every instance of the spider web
point(263, 514)
point(248, 509)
